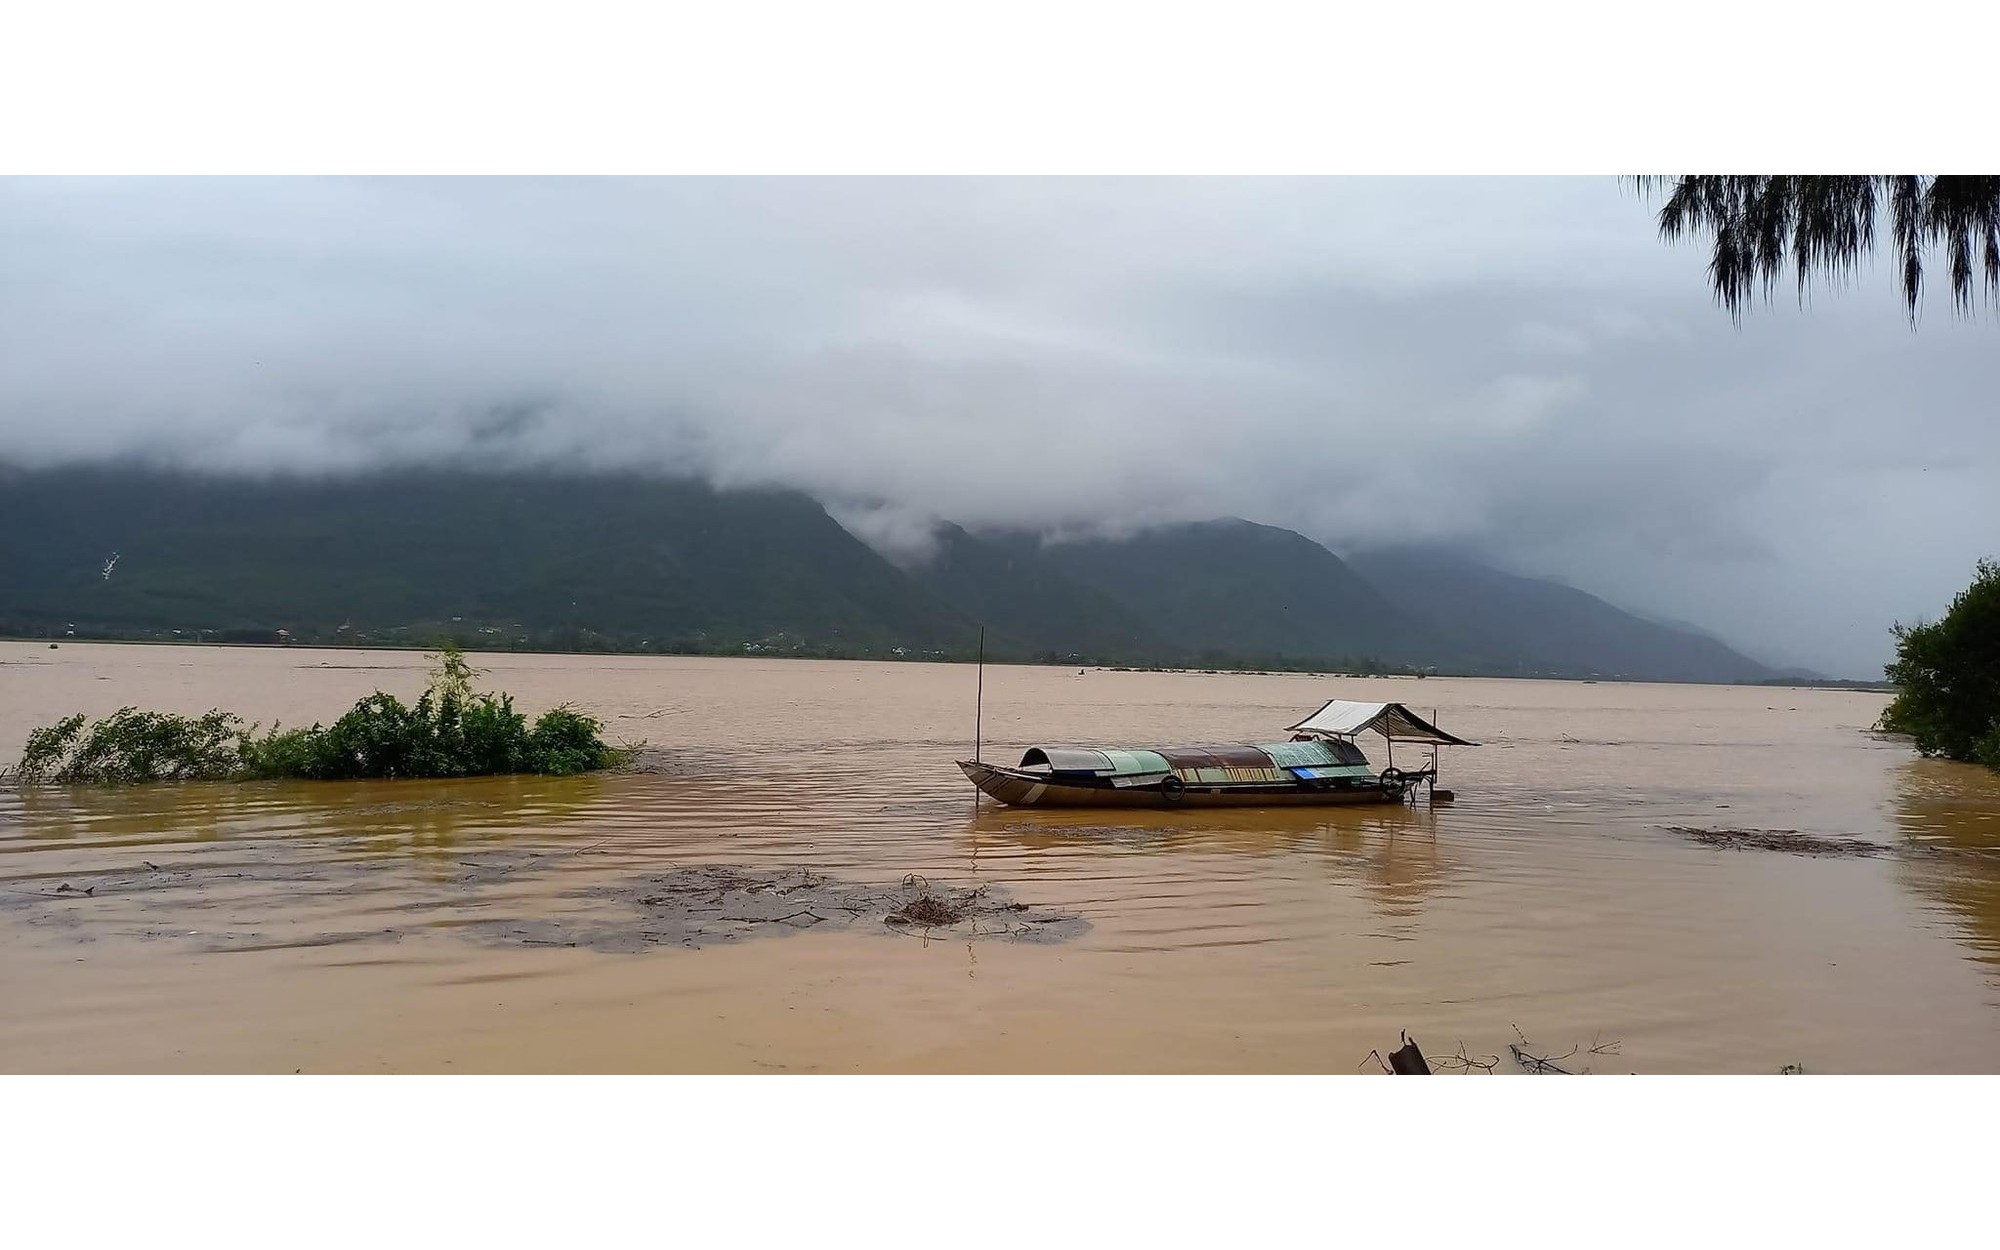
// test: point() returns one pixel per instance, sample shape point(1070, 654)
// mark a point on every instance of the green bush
point(130, 745)
point(566, 741)
point(451, 731)
point(1947, 675)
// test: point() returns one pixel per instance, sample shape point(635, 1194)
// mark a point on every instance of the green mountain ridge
point(1030, 605)
point(1232, 589)
point(627, 562)
point(549, 560)
point(1547, 626)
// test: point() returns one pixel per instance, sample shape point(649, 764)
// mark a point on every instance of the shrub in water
point(450, 731)
point(130, 745)
point(566, 741)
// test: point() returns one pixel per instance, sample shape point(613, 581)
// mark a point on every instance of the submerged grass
point(450, 731)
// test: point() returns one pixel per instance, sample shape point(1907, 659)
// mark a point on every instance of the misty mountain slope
point(627, 559)
point(1030, 607)
point(570, 561)
point(1242, 591)
point(1547, 627)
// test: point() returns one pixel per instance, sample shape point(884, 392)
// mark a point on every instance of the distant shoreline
point(1216, 670)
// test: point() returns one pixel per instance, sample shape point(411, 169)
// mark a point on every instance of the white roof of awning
point(1391, 720)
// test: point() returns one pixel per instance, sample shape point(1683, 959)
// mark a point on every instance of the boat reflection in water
point(1392, 852)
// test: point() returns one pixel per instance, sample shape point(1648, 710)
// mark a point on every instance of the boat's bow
point(1008, 785)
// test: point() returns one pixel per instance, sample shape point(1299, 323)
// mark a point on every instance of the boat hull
point(1017, 788)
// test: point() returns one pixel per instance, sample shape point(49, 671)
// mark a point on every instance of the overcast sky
point(1514, 365)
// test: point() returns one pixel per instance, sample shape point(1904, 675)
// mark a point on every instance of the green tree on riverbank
point(1947, 676)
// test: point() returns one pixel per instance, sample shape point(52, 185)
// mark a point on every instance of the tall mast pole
point(979, 699)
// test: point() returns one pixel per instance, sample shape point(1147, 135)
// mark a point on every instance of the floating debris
point(689, 907)
point(1408, 1060)
point(1540, 1065)
point(719, 904)
point(1787, 840)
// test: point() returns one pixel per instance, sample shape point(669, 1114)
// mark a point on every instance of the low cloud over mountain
point(1516, 368)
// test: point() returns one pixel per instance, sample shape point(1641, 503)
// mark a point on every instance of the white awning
point(1392, 720)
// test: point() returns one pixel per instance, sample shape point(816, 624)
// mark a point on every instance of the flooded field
point(733, 908)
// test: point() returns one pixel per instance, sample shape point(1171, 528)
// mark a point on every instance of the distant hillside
point(1234, 590)
point(1032, 608)
point(624, 562)
point(522, 559)
point(1529, 626)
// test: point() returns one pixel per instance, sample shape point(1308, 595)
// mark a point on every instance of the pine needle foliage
point(1820, 227)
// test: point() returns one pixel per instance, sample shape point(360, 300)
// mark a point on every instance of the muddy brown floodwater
point(1619, 869)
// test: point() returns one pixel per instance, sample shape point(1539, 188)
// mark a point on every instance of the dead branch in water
point(816, 918)
point(1538, 1064)
point(928, 910)
point(1467, 1064)
point(933, 909)
point(1410, 1061)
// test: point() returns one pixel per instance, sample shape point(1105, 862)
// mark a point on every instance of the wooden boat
point(1322, 764)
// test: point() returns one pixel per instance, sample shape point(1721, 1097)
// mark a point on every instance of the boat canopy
point(1112, 763)
point(1208, 765)
point(1343, 718)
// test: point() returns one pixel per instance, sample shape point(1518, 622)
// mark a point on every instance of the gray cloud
point(1513, 365)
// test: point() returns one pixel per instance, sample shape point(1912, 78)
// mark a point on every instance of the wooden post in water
point(979, 699)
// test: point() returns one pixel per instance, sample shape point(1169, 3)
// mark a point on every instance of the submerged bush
point(1947, 675)
point(130, 745)
point(451, 731)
